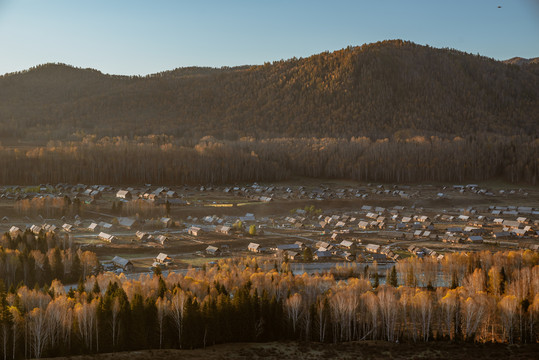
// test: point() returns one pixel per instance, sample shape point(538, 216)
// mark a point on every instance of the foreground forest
point(490, 298)
point(391, 111)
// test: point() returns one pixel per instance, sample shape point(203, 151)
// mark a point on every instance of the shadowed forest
point(491, 297)
point(391, 111)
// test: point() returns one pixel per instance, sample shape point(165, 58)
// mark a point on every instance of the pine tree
point(393, 277)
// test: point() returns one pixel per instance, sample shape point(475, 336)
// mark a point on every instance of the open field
point(356, 350)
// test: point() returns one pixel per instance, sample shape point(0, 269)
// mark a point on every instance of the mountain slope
point(378, 90)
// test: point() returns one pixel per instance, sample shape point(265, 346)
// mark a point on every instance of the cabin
point(475, 239)
point(222, 229)
point(107, 237)
point(166, 222)
point(162, 239)
point(363, 225)
point(105, 225)
point(346, 244)
point(322, 255)
point(124, 194)
point(292, 255)
point(122, 263)
point(143, 236)
point(372, 248)
point(164, 259)
point(14, 232)
point(324, 245)
point(125, 222)
point(347, 256)
point(254, 247)
point(286, 247)
point(67, 227)
point(194, 231)
point(213, 251)
point(35, 229)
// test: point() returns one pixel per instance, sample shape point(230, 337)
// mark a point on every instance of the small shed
point(254, 247)
point(124, 194)
point(163, 258)
point(107, 237)
point(213, 250)
point(122, 263)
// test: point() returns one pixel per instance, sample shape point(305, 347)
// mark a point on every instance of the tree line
point(35, 260)
point(495, 299)
point(167, 160)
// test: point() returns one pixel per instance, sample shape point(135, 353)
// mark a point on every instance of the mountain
point(383, 89)
point(521, 61)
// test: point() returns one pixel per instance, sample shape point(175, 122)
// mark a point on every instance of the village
point(139, 229)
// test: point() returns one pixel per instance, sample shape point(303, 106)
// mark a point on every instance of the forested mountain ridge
point(376, 90)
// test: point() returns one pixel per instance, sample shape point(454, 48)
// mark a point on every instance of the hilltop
point(378, 90)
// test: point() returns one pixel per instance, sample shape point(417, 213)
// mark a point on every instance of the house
point(107, 237)
point(322, 255)
point(292, 255)
point(286, 247)
point(476, 239)
point(346, 255)
point(143, 236)
point(511, 224)
point(227, 230)
point(372, 248)
point(363, 225)
point(14, 232)
point(324, 245)
point(253, 247)
point(35, 229)
point(162, 239)
point(335, 236)
point(105, 225)
point(93, 227)
point(166, 222)
point(213, 250)
point(163, 258)
point(195, 231)
point(346, 244)
point(501, 235)
point(124, 194)
point(125, 222)
point(122, 263)
point(67, 227)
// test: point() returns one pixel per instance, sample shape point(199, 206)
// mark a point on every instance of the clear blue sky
point(141, 37)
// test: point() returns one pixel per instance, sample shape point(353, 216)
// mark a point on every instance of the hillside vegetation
point(374, 90)
point(392, 111)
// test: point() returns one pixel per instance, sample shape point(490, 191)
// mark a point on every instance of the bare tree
point(388, 310)
point(176, 307)
point(508, 312)
point(161, 305)
point(293, 307)
point(37, 322)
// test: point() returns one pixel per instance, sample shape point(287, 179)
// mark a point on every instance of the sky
point(135, 37)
